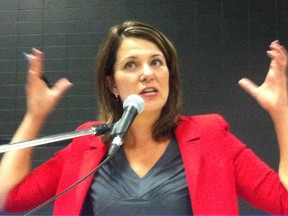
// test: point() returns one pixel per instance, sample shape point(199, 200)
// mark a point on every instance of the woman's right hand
point(41, 99)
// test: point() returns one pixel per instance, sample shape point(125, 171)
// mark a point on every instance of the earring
point(116, 96)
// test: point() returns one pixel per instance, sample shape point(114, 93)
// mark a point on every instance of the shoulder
point(85, 142)
point(209, 128)
point(212, 131)
point(212, 135)
point(204, 122)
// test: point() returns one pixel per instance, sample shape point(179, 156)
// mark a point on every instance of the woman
point(168, 164)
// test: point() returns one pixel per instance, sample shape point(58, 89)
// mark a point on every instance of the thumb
point(61, 86)
point(249, 86)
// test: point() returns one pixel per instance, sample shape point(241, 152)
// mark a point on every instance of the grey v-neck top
point(118, 190)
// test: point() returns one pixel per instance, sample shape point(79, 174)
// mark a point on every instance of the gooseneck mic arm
point(133, 105)
point(95, 130)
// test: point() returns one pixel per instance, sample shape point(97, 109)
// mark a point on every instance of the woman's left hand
point(272, 95)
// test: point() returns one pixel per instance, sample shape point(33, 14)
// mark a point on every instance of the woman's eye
point(156, 62)
point(130, 65)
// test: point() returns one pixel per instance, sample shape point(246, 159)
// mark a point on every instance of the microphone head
point(135, 101)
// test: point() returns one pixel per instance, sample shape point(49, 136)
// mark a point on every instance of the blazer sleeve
point(43, 182)
point(257, 183)
point(37, 187)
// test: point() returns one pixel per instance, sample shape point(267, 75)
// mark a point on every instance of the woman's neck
point(141, 130)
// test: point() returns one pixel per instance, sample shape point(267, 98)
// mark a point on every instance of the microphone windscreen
point(135, 101)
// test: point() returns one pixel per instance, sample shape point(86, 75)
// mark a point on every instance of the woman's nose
point(147, 73)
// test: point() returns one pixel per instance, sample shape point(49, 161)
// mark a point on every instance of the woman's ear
point(111, 85)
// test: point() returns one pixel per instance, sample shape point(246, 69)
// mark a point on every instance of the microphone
point(132, 106)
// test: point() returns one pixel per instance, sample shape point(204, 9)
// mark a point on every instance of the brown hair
point(110, 108)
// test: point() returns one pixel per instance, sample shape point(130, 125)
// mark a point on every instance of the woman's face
point(141, 69)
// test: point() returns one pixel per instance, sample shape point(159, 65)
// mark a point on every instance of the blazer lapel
point(91, 160)
point(188, 137)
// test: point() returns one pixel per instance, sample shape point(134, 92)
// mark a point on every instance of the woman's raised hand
point(41, 99)
point(272, 95)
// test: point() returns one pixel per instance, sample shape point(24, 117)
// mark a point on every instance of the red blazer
point(218, 168)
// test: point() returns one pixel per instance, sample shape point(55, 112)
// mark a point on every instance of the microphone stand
point(95, 130)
